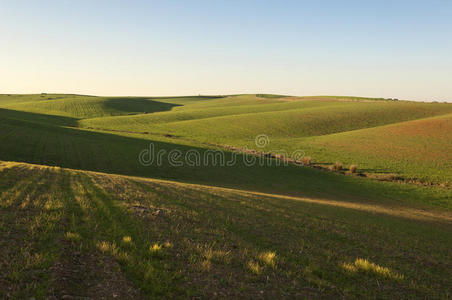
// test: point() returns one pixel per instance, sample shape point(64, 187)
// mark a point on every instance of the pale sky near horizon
point(398, 49)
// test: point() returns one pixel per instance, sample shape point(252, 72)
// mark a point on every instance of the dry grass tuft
point(73, 236)
point(268, 258)
point(155, 248)
point(206, 265)
point(123, 256)
point(219, 256)
point(34, 260)
point(158, 249)
point(254, 267)
point(127, 239)
point(107, 247)
point(112, 249)
point(363, 265)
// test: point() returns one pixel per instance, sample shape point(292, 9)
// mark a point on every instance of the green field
point(166, 239)
point(238, 231)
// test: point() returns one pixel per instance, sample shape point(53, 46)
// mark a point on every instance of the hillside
point(98, 235)
point(301, 124)
point(84, 216)
point(88, 107)
point(39, 139)
point(419, 149)
point(297, 118)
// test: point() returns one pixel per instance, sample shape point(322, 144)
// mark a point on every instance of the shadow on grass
point(36, 117)
point(43, 143)
point(138, 104)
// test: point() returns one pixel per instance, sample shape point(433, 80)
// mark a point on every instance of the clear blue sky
point(399, 49)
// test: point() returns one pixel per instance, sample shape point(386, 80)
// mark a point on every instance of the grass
point(238, 105)
point(254, 267)
point(328, 129)
point(209, 241)
point(363, 265)
point(373, 134)
point(268, 258)
point(91, 107)
point(414, 149)
point(239, 231)
point(320, 126)
point(28, 141)
point(73, 236)
point(313, 120)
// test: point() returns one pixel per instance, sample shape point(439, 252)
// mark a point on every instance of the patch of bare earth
point(89, 275)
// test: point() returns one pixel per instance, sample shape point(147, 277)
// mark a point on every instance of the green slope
point(195, 112)
point(300, 122)
point(248, 231)
point(419, 149)
point(79, 232)
point(29, 141)
point(289, 119)
point(90, 107)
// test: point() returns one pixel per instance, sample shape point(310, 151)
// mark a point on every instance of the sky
point(392, 49)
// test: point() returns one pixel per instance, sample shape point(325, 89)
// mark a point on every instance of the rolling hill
point(82, 216)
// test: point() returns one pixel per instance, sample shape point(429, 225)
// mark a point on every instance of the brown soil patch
point(89, 275)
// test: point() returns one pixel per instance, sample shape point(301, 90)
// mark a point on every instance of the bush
point(337, 166)
point(353, 168)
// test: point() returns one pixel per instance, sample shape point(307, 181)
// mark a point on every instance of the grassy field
point(416, 149)
point(306, 123)
point(67, 232)
point(28, 140)
point(300, 118)
point(239, 231)
point(86, 106)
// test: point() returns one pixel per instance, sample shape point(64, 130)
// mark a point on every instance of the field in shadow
point(35, 117)
point(133, 105)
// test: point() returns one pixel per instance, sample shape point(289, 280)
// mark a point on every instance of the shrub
point(306, 160)
point(337, 166)
point(353, 168)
